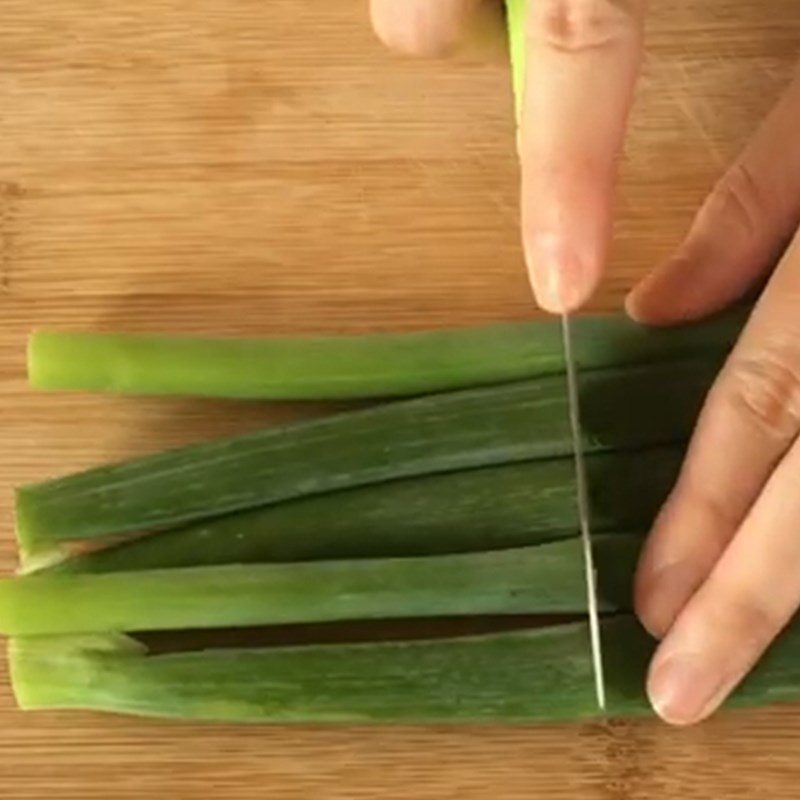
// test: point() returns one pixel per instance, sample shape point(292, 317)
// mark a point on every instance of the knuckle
point(739, 199)
point(765, 388)
point(755, 621)
point(714, 515)
point(576, 26)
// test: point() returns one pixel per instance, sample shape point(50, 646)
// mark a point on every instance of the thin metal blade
point(584, 512)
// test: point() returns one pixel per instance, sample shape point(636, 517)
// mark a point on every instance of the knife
point(584, 515)
point(516, 11)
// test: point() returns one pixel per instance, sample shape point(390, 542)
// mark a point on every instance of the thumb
point(435, 28)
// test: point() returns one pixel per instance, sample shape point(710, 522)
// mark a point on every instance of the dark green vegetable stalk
point(336, 367)
point(514, 505)
point(544, 579)
point(526, 676)
point(628, 408)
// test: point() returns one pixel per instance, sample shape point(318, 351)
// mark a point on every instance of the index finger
point(582, 59)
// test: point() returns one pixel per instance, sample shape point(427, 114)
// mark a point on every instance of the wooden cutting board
point(246, 167)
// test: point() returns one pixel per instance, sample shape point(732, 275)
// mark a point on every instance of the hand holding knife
point(517, 11)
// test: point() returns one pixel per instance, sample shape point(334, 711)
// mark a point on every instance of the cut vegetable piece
point(530, 676)
point(546, 579)
point(539, 675)
point(514, 505)
point(338, 367)
point(627, 408)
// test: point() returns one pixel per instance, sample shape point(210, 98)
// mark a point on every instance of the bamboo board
point(245, 168)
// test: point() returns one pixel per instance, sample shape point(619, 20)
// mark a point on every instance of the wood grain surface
point(249, 167)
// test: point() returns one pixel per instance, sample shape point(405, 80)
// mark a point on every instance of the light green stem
point(346, 367)
point(544, 579)
point(528, 676)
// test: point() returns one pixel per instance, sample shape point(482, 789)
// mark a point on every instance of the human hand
point(720, 575)
point(582, 61)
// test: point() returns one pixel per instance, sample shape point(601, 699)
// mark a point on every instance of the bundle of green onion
point(455, 505)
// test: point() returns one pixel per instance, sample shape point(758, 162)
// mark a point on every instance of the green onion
point(514, 505)
point(548, 578)
point(627, 408)
point(337, 367)
point(525, 676)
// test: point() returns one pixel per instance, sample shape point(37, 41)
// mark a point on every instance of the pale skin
point(719, 577)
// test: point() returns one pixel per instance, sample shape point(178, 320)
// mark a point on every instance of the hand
point(583, 58)
point(720, 574)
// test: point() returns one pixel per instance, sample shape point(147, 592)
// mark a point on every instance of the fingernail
point(682, 688)
point(647, 307)
point(633, 305)
point(557, 274)
point(665, 592)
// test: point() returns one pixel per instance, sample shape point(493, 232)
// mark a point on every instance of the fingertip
point(576, 292)
point(642, 604)
point(661, 593)
point(684, 289)
point(677, 689)
point(562, 281)
point(555, 294)
point(687, 679)
point(697, 667)
point(654, 301)
point(635, 308)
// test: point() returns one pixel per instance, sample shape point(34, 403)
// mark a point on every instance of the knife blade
point(516, 13)
point(584, 511)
